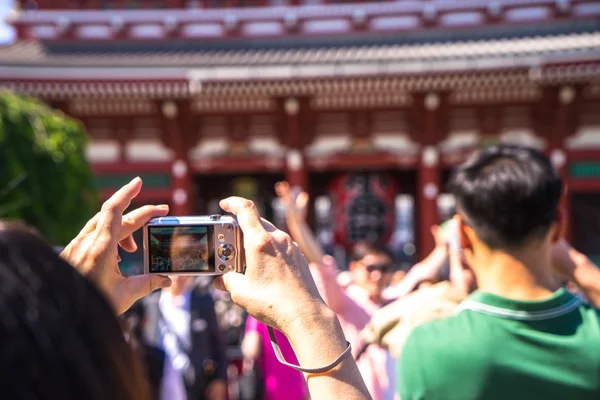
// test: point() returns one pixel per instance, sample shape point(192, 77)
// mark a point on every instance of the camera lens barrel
point(226, 252)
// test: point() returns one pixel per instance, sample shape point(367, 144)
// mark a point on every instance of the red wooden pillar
point(122, 134)
point(296, 173)
point(429, 173)
point(562, 127)
point(182, 185)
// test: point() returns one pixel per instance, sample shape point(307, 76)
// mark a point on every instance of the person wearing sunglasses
point(371, 269)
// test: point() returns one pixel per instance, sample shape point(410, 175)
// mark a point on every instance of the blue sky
point(6, 32)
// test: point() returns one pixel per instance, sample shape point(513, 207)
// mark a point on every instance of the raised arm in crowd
point(323, 266)
point(295, 206)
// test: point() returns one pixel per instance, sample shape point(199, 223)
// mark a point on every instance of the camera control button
point(215, 217)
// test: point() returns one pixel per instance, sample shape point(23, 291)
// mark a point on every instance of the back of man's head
point(508, 194)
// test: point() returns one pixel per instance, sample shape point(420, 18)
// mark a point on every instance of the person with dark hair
point(61, 338)
point(371, 265)
point(521, 335)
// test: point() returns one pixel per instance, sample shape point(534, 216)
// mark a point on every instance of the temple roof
point(323, 21)
point(32, 60)
point(430, 57)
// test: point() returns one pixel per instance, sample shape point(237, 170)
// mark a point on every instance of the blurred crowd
point(501, 308)
point(214, 350)
point(378, 304)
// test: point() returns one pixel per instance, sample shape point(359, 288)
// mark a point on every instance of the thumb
point(139, 286)
point(232, 282)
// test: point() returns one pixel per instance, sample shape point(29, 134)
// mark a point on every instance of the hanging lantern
point(363, 207)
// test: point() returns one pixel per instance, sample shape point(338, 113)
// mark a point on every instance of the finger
point(128, 244)
point(234, 283)
point(137, 218)
point(219, 284)
point(111, 214)
point(90, 226)
point(139, 286)
point(247, 214)
point(269, 227)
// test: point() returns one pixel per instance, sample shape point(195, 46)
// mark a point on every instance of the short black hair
point(364, 248)
point(508, 194)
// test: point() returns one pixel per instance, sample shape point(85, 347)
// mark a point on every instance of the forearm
point(427, 269)
point(325, 277)
point(436, 259)
point(318, 340)
point(329, 288)
point(302, 234)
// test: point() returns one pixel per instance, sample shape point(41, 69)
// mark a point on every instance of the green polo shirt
point(497, 348)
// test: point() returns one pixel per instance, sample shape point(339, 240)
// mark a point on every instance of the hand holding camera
point(94, 252)
point(277, 287)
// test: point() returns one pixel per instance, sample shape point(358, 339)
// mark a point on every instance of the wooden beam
point(152, 196)
point(357, 162)
point(133, 168)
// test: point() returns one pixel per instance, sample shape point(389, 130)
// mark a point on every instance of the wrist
point(314, 323)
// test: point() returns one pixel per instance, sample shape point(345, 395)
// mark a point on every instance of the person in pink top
point(280, 381)
point(371, 271)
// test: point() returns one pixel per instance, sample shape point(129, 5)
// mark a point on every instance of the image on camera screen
point(181, 249)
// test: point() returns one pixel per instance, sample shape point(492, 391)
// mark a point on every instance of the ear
point(559, 226)
point(465, 241)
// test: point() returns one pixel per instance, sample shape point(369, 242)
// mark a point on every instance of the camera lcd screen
point(181, 249)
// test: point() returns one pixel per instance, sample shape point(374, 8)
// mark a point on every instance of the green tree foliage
point(44, 177)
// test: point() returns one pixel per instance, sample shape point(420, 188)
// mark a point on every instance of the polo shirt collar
point(560, 303)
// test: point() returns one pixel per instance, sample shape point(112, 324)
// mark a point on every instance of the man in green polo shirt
point(520, 335)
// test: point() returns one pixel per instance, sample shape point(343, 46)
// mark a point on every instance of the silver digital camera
point(195, 245)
